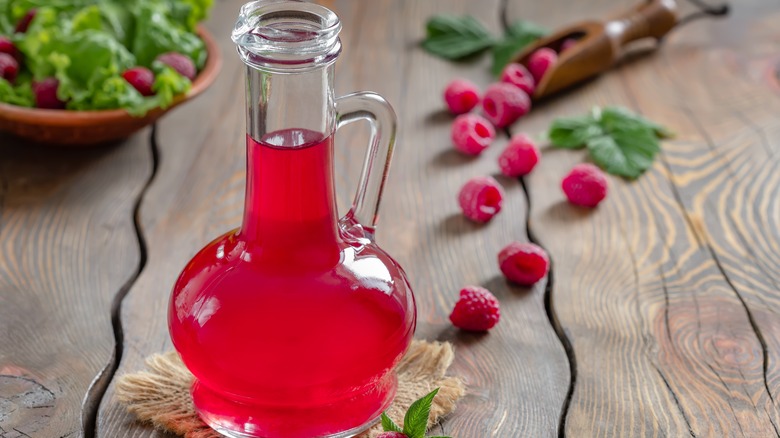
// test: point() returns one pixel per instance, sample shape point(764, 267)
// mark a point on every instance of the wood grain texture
point(67, 246)
point(518, 374)
point(668, 292)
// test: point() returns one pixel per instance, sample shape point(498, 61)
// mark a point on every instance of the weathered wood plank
point(518, 374)
point(67, 246)
point(652, 288)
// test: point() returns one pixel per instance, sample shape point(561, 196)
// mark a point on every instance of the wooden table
point(662, 313)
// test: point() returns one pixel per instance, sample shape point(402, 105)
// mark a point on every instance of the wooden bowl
point(86, 128)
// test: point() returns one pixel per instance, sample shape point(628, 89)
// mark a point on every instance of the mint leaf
point(416, 418)
point(574, 132)
point(388, 425)
point(456, 37)
point(519, 35)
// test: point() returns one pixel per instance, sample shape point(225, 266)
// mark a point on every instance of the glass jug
point(292, 323)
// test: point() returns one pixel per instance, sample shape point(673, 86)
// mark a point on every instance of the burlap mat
point(161, 395)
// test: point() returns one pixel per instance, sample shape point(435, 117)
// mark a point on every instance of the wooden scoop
point(599, 44)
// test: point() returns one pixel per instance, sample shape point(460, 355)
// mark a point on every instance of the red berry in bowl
point(9, 67)
point(141, 78)
point(540, 61)
point(477, 310)
point(7, 46)
point(567, 44)
point(585, 185)
point(504, 103)
point(461, 96)
point(471, 134)
point(24, 23)
point(45, 92)
point(520, 156)
point(481, 198)
point(520, 77)
point(523, 263)
point(179, 62)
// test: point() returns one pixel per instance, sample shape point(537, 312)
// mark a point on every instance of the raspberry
point(461, 96)
point(540, 61)
point(46, 94)
point(520, 156)
point(391, 435)
point(24, 22)
point(179, 62)
point(9, 68)
point(523, 263)
point(504, 103)
point(585, 185)
point(520, 77)
point(481, 198)
point(141, 78)
point(567, 44)
point(476, 310)
point(472, 134)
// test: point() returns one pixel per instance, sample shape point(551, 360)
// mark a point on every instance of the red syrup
point(290, 325)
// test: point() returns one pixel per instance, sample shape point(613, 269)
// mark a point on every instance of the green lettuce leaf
point(156, 34)
point(20, 95)
point(87, 44)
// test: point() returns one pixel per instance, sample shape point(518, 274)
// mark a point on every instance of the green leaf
point(416, 418)
point(519, 35)
point(613, 115)
point(388, 425)
point(20, 94)
point(455, 38)
point(87, 18)
point(156, 34)
point(619, 141)
point(573, 132)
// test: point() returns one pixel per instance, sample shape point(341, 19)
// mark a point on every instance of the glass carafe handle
point(373, 108)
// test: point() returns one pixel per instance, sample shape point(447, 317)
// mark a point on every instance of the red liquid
point(291, 328)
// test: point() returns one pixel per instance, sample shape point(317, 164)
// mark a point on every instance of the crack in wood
point(97, 391)
point(553, 319)
point(674, 397)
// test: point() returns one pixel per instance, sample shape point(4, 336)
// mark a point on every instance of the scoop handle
point(650, 19)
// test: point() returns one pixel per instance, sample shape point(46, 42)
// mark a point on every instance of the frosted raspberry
point(520, 77)
point(476, 310)
point(141, 78)
point(481, 198)
point(24, 22)
point(46, 94)
point(540, 61)
point(520, 156)
point(567, 44)
point(585, 185)
point(9, 68)
point(523, 263)
point(179, 62)
point(391, 435)
point(504, 103)
point(471, 133)
point(461, 96)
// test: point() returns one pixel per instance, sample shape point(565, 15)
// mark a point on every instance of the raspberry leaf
point(416, 418)
point(619, 141)
point(455, 38)
point(388, 425)
point(574, 132)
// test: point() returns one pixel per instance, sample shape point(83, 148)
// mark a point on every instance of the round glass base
point(236, 419)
